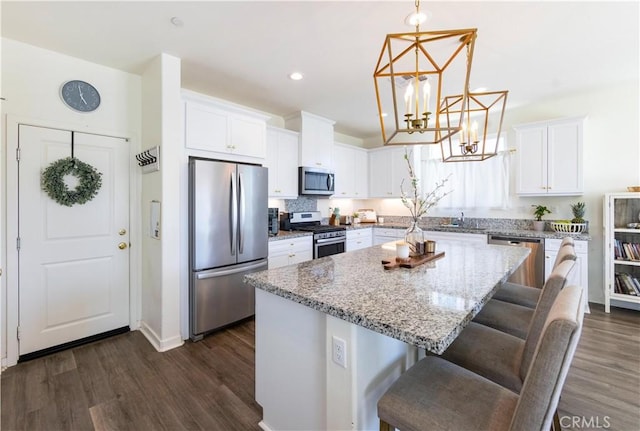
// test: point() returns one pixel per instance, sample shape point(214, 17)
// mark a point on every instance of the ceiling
point(244, 51)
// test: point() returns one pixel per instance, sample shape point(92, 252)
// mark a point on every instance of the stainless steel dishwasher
point(531, 272)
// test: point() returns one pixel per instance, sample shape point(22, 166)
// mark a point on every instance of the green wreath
point(53, 181)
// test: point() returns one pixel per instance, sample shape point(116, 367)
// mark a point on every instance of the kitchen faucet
point(461, 219)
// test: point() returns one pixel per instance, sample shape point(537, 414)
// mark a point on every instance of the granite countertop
point(527, 233)
point(285, 234)
point(426, 306)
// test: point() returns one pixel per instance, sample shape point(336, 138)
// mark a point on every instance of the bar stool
point(516, 319)
point(436, 394)
point(500, 356)
point(528, 296)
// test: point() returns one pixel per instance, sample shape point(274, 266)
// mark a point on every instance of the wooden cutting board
point(411, 262)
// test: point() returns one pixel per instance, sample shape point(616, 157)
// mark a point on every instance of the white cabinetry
point(550, 158)
point(282, 161)
point(474, 238)
point(388, 169)
point(579, 275)
point(212, 126)
point(350, 165)
point(359, 238)
point(382, 235)
point(290, 251)
point(621, 243)
point(316, 139)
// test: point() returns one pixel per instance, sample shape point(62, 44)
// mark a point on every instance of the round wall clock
point(80, 96)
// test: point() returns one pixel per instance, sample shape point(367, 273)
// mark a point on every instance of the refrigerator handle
point(233, 214)
point(218, 273)
point(242, 215)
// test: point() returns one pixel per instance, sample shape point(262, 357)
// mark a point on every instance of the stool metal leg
point(385, 426)
point(555, 426)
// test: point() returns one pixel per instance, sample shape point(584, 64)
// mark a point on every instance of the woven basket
point(568, 227)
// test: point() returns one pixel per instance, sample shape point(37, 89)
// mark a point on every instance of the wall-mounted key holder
point(149, 160)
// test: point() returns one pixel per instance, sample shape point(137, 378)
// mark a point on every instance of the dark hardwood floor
point(122, 383)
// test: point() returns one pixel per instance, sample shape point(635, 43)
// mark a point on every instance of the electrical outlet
point(340, 352)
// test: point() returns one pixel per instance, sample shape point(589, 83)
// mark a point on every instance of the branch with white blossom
point(417, 205)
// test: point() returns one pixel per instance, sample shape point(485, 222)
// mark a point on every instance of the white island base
point(297, 383)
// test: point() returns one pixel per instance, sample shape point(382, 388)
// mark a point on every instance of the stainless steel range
point(327, 240)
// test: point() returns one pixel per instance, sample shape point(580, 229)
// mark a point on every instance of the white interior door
point(74, 278)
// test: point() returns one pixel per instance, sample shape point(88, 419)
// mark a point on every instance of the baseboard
point(264, 426)
point(159, 344)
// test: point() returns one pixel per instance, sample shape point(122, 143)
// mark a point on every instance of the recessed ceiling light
point(296, 76)
point(177, 21)
point(384, 114)
point(479, 90)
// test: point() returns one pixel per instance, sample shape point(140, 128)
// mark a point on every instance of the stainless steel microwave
point(315, 181)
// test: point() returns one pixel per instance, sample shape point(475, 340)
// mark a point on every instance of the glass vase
point(415, 238)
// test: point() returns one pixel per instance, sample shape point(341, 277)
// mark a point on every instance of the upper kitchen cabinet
point(213, 126)
point(388, 169)
point(282, 161)
point(316, 139)
point(550, 158)
point(350, 165)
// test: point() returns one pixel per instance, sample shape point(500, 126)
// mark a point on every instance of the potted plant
point(538, 212)
point(578, 212)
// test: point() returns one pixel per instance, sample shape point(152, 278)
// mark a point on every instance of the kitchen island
point(380, 317)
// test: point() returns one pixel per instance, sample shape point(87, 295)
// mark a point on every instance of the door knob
point(122, 245)
point(122, 232)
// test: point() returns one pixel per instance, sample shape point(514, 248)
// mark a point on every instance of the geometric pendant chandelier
point(482, 116)
point(413, 73)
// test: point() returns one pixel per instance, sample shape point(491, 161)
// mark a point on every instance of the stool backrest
point(550, 291)
point(566, 252)
point(552, 358)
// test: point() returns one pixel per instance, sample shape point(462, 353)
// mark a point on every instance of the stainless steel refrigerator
point(228, 233)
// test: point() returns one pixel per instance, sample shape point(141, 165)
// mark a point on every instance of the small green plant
point(578, 212)
point(540, 211)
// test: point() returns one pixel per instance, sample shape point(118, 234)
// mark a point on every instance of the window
point(475, 184)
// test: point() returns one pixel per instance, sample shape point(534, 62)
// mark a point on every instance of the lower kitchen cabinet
point(386, 234)
point(579, 275)
point(290, 251)
point(456, 236)
point(359, 238)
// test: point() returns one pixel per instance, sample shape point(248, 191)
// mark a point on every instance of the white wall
point(162, 125)
point(31, 80)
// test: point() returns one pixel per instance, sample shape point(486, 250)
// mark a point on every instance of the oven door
point(328, 246)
